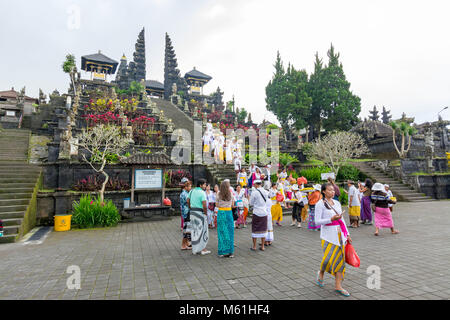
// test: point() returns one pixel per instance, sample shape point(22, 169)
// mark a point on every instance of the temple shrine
point(196, 80)
point(98, 65)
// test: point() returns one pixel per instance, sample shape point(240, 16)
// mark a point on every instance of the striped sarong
point(333, 257)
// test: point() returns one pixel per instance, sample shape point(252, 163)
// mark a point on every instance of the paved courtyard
point(144, 261)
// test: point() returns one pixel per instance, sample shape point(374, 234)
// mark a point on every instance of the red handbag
point(351, 257)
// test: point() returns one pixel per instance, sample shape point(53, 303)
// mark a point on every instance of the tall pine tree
point(340, 106)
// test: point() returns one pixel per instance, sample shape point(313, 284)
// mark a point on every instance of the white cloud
point(394, 53)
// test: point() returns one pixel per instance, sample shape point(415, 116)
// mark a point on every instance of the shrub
point(348, 172)
point(343, 198)
point(91, 213)
point(314, 174)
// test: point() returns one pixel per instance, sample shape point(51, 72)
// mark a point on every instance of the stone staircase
point(179, 118)
point(402, 191)
point(19, 183)
point(220, 172)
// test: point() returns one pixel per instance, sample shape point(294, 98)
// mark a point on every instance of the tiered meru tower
point(171, 72)
point(135, 70)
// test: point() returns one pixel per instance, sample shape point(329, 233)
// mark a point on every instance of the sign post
point(147, 179)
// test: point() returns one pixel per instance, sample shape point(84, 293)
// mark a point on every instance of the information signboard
point(148, 179)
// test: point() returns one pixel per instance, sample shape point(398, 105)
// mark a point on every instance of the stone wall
point(433, 185)
point(51, 203)
point(63, 175)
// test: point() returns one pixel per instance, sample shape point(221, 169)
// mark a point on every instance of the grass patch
point(313, 162)
point(430, 174)
point(47, 190)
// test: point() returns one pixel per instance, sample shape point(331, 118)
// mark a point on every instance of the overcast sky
point(394, 53)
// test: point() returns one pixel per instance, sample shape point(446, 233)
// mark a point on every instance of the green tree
point(406, 132)
point(242, 115)
point(69, 66)
point(287, 97)
point(333, 100)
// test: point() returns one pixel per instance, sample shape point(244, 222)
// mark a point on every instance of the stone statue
point(21, 96)
point(42, 97)
point(174, 89)
point(129, 133)
point(429, 149)
point(64, 144)
point(186, 106)
point(161, 116)
point(169, 128)
point(429, 142)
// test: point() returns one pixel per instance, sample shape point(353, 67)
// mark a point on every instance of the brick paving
point(143, 261)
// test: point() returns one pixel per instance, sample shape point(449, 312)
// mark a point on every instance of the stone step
point(12, 221)
point(14, 180)
point(6, 196)
point(19, 175)
point(18, 190)
point(12, 214)
point(8, 238)
point(13, 158)
point(13, 208)
point(24, 169)
point(411, 199)
point(423, 200)
point(17, 185)
point(14, 202)
point(11, 230)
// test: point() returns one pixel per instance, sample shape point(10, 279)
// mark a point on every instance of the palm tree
point(69, 66)
point(406, 132)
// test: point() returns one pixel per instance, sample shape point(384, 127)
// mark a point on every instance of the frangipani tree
point(101, 141)
point(406, 132)
point(336, 149)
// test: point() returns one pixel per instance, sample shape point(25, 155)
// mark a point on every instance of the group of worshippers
point(203, 208)
point(223, 149)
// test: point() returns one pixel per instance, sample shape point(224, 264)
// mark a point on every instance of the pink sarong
point(383, 218)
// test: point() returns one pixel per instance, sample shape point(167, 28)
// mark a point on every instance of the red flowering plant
point(215, 116)
point(174, 177)
point(106, 118)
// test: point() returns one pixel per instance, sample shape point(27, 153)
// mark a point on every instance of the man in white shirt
point(354, 204)
point(258, 200)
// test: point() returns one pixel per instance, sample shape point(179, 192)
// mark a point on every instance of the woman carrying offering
point(383, 216)
point(334, 235)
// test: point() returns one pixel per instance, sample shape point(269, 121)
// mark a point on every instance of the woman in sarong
point(314, 198)
point(269, 235)
point(240, 194)
point(211, 204)
point(184, 207)
point(366, 211)
point(225, 222)
point(383, 216)
point(334, 235)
